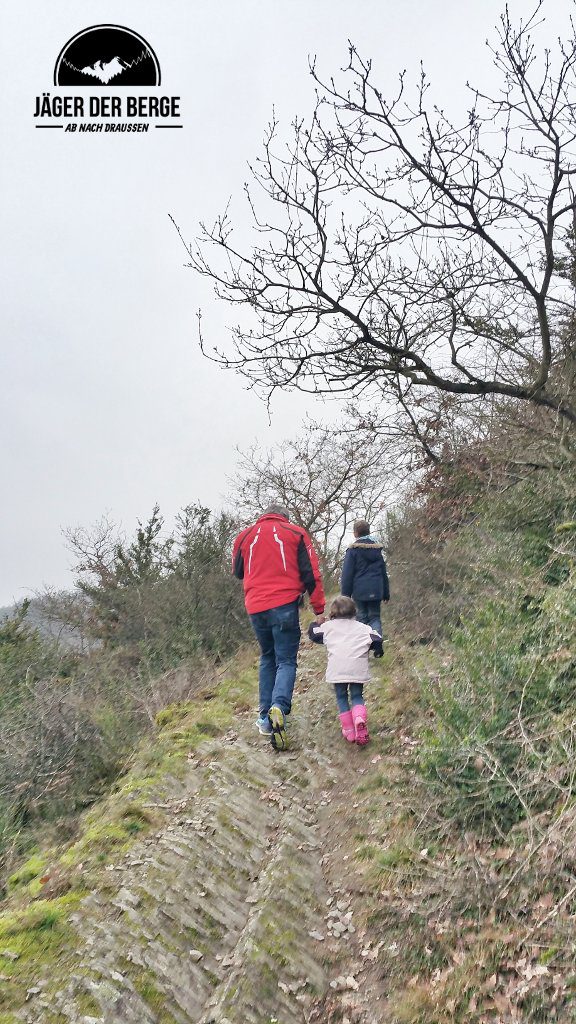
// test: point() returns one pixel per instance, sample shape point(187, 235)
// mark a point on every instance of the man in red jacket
point(277, 563)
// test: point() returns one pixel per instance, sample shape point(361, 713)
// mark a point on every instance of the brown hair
point(342, 608)
point(361, 528)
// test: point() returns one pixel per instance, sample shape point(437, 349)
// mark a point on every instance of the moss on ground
point(88, 1005)
point(38, 936)
point(34, 866)
point(109, 828)
point(146, 985)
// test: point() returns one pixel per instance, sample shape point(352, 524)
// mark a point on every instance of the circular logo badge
point(107, 55)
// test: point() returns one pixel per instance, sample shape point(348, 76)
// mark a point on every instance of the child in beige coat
point(348, 643)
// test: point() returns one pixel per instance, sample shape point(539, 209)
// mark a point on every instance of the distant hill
point(36, 619)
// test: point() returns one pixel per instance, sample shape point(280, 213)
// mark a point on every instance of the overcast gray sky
point(108, 406)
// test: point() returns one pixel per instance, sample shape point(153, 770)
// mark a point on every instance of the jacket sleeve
point(238, 556)
point(376, 644)
point(347, 581)
point(309, 570)
point(316, 633)
point(385, 583)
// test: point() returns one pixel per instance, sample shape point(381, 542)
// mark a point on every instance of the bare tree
point(397, 251)
point(326, 477)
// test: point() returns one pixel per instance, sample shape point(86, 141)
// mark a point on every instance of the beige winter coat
point(348, 643)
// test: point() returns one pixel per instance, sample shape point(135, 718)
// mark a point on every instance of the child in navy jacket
point(364, 576)
point(348, 643)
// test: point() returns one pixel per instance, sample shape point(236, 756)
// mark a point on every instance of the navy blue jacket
point(364, 575)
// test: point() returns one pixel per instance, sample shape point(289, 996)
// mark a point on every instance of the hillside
point(222, 883)
point(48, 628)
point(239, 896)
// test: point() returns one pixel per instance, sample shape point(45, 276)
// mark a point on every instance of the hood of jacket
point(368, 547)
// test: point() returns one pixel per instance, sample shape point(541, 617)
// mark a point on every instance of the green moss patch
point(38, 936)
point(34, 867)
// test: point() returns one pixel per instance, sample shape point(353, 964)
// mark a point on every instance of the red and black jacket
point(277, 563)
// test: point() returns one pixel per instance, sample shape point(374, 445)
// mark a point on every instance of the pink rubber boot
point(359, 716)
point(347, 723)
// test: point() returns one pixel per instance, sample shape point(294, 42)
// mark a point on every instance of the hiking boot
point(277, 721)
point(359, 716)
point(347, 723)
point(262, 723)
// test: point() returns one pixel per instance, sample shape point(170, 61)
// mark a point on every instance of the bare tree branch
point(396, 249)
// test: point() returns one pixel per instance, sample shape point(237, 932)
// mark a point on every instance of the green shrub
point(510, 680)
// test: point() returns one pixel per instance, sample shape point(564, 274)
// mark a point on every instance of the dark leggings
point(342, 699)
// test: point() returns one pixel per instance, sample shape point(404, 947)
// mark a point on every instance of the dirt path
point(246, 907)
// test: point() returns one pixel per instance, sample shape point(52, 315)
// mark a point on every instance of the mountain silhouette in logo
point(107, 71)
point(108, 54)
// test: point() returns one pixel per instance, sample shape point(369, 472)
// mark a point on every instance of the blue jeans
point(368, 612)
point(356, 696)
point(278, 633)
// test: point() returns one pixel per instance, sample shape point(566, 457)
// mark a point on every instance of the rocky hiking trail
point(246, 904)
